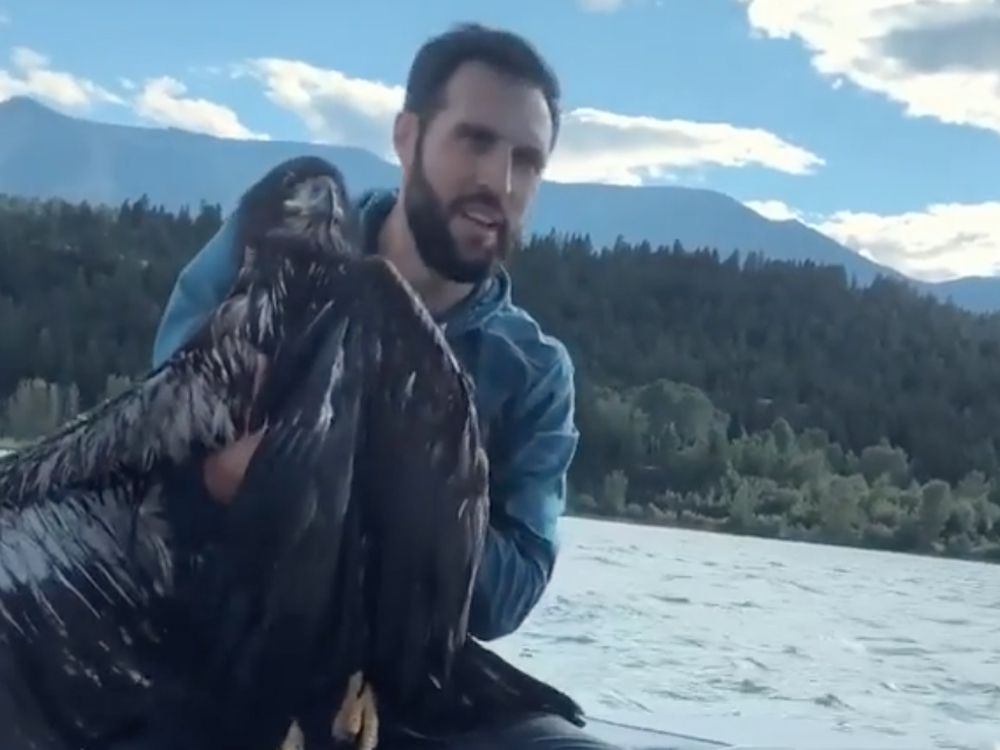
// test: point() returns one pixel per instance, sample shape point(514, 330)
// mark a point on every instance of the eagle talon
point(369, 720)
point(294, 740)
point(357, 718)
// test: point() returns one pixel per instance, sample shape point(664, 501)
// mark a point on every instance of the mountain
point(696, 217)
point(47, 154)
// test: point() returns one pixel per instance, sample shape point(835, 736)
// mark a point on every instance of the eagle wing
point(356, 535)
point(278, 578)
point(425, 486)
point(426, 509)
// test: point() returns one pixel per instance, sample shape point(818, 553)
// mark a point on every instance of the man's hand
point(223, 471)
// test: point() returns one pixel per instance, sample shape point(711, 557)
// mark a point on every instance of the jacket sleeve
point(201, 286)
point(529, 486)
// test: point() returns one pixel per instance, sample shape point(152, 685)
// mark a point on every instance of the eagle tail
point(484, 690)
point(490, 686)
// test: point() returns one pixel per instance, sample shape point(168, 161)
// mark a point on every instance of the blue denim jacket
point(525, 398)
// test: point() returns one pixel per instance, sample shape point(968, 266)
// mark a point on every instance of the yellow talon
point(343, 722)
point(369, 720)
point(358, 715)
point(294, 740)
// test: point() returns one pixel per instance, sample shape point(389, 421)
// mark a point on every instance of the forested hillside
point(718, 392)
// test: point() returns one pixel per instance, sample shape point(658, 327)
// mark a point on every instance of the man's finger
point(223, 471)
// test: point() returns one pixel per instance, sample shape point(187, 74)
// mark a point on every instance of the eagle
point(337, 596)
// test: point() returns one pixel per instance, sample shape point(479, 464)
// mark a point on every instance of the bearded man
point(479, 122)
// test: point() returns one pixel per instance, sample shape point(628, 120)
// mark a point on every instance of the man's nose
point(498, 170)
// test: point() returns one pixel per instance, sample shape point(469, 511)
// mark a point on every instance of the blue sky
point(878, 122)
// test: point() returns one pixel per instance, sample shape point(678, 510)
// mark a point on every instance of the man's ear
point(404, 138)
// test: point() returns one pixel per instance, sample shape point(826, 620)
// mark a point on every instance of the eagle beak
point(315, 200)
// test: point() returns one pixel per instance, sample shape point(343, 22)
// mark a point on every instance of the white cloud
point(610, 6)
point(936, 58)
point(28, 59)
point(31, 75)
point(336, 108)
point(594, 146)
point(773, 209)
point(600, 6)
point(600, 146)
point(941, 242)
point(944, 241)
point(163, 101)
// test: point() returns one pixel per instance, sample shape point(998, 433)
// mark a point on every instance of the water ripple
point(865, 644)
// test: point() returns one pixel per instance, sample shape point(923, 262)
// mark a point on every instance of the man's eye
point(529, 162)
point(481, 141)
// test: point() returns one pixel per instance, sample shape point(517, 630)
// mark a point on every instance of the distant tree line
point(724, 392)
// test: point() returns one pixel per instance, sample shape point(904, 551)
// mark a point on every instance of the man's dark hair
point(438, 59)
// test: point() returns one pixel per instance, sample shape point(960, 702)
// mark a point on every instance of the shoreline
point(991, 557)
point(988, 557)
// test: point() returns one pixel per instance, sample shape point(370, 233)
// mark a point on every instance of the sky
point(875, 121)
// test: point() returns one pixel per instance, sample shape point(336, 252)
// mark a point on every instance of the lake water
point(758, 642)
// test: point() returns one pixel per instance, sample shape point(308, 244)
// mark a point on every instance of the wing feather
point(290, 541)
point(426, 490)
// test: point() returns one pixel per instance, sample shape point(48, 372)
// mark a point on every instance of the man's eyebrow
point(477, 130)
point(484, 132)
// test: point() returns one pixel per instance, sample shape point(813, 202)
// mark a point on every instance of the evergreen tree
point(732, 393)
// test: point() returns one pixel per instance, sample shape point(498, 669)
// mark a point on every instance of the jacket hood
point(487, 299)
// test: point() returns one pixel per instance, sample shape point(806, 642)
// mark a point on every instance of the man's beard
point(428, 219)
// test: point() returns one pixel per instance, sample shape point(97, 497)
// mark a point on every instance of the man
point(479, 122)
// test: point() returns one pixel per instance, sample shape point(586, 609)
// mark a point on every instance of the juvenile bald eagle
point(339, 594)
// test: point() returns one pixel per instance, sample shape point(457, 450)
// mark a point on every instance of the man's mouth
point(483, 216)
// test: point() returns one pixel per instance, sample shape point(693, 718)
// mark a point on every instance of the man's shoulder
point(372, 206)
point(365, 198)
point(515, 334)
point(523, 330)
